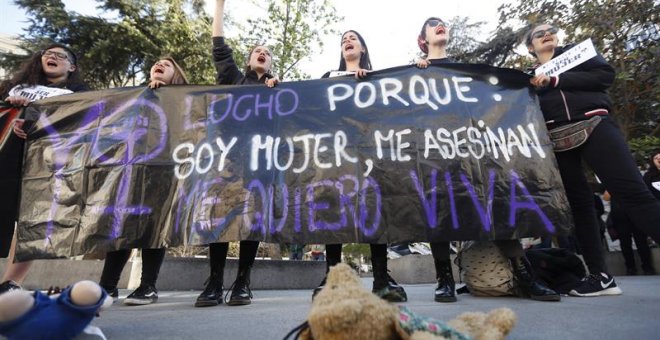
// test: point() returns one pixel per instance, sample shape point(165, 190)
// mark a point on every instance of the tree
point(625, 31)
point(293, 30)
point(120, 51)
point(462, 41)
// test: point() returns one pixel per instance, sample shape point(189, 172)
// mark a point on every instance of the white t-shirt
point(37, 92)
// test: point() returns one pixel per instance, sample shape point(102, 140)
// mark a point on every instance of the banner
point(447, 153)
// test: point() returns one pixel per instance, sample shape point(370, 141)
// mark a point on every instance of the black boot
point(240, 290)
point(384, 285)
point(212, 294)
point(527, 283)
point(445, 291)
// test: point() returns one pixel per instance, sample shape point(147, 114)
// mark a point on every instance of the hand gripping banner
point(447, 153)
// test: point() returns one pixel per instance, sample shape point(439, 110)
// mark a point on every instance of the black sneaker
point(8, 286)
point(597, 285)
point(143, 295)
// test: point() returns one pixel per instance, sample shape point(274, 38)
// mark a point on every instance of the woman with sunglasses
point(164, 72)
point(577, 100)
point(354, 60)
point(433, 40)
point(50, 72)
point(257, 71)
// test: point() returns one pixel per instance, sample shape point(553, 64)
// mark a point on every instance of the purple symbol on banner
point(484, 216)
point(129, 125)
point(314, 206)
point(430, 208)
point(369, 183)
point(452, 202)
point(61, 151)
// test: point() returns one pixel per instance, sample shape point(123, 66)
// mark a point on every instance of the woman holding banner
point(432, 40)
point(165, 71)
point(257, 71)
point(355, 59)
point(576, 109)
point(50, 72)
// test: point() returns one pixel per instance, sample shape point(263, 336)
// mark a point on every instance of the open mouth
point(349, 47)
point(440, 30)
point(261, 59)
point(51, 63)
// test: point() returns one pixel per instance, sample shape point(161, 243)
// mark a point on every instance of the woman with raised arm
point(432, 40)
point(50, 72)
point(164, 72)
point(576, 109)
point(354, 59)
point(257, 71)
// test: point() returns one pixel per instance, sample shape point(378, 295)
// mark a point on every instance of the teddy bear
point(25, 315)
point(344, 309)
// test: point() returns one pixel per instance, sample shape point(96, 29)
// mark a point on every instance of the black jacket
point(227, 71)
point(579, 93)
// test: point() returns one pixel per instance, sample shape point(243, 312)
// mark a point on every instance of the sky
point(390, 28)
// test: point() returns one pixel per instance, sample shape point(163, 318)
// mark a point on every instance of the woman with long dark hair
point(432, 41)
point(164, 72)
point(257, 71)
point(354, 59)
point(52, 71)
point(576, 104)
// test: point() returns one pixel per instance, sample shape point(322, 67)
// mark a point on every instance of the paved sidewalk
point(633, 315)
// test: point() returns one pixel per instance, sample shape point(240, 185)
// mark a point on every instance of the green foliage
point(643, 147)
point(626, 33)
point(120, 51)
point(356, 250)
point(293, 30)
point(462, 39)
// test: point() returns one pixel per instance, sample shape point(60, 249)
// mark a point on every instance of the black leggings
point(218, 255)
point(607, 153)
point(115, 261)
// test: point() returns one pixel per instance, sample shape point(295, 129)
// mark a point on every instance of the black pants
point(152, 259)
point(627, 231)
point(218, 255)
point(607, 153)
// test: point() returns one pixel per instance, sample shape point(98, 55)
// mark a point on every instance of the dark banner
point(448, 153)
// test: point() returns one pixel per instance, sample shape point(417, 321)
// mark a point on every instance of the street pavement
point(633, 315)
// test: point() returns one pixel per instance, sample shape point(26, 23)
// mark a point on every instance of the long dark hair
point(32, 73)
point(365, 61)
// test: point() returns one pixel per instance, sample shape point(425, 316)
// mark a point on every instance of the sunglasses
point(541, 33)
point(436, 22)
point(57, 55)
